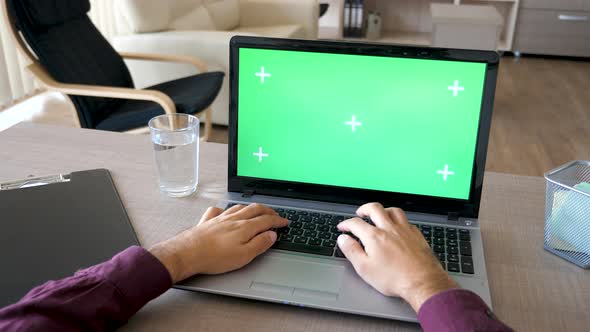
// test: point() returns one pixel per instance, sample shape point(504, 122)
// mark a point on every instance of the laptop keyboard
point(316, 233)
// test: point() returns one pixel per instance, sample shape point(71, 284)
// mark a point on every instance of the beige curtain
point(15, 81)
point(102, 14)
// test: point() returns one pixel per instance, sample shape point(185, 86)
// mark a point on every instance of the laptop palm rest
point(300, 278)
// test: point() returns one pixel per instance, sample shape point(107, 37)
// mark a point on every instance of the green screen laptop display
point(380, 123)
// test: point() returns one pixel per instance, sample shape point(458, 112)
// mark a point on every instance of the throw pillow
point(146, 15)
point(225, 13)
point(196, 19)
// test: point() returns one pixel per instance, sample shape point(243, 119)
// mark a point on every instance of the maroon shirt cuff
point(458, 310)
point(137, 274)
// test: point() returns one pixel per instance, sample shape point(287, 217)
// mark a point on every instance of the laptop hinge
point(453, 216)
point(248, 193)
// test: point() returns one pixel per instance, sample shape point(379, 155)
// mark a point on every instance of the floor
point(541, 115)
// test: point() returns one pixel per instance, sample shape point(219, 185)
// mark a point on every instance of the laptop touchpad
point(300, 276)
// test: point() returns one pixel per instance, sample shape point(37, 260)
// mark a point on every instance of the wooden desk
point(532, 290)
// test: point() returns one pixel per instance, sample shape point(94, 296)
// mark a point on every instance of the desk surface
point(532, 290)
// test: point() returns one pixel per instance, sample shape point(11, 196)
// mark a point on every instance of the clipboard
point(53, 226)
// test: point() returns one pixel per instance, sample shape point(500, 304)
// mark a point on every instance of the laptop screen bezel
point(468, 208)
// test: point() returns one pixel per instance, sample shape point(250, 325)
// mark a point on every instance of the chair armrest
point(201, 66)
point(256, 13)
point(102, 91)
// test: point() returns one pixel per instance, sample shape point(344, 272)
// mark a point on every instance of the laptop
point(318, 128)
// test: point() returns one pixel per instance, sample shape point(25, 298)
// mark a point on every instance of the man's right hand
point(396, 259)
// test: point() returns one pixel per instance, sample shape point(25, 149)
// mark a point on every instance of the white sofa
point(203, 28)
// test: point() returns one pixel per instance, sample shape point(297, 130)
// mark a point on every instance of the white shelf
point(400, 37)
point(397, 37)
point(420, 37)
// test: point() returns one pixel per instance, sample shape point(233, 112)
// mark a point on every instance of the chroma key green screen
point(389, 124)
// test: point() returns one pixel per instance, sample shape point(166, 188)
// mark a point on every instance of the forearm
point(458, 310)
point(99, 298)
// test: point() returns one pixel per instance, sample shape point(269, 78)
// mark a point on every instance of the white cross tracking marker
point(445, 173)
point(456, 88)
point(260, 155)
point(353, 123)
point(262, 75)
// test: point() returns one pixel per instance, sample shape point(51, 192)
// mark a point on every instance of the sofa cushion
point(196, 19)
point(146, 15)
point(181, 7)
point(225, 13)
point(276, 31)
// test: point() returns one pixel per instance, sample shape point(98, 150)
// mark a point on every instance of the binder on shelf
point(346, 27)
point(353, 18)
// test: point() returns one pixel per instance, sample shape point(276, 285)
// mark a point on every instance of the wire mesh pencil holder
point(567, 213)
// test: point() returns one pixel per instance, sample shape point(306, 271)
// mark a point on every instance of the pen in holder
point(567, 212)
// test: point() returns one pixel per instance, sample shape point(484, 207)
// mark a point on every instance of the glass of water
point(176, 149)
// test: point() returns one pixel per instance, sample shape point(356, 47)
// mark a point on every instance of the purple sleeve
point(458, 310)
point(102, 297)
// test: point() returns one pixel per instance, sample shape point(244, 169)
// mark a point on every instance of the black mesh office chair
point(70, 55)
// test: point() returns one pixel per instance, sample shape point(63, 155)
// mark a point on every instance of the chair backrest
point(71, 50)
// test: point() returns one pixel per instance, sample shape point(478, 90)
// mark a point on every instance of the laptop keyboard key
point(453, 258)
point(451, 242)
point(335, 236)
point(464, 235)
point(453, 250)
point(325, 236)
point(305, 248)
point(336, 220)
point(439, 249)
point(300, 239)
point(452, 236)
point(309, 226)
point(467, 265)
point(314, 242)
point(453, 267)
point(439, 241)
point(439, 234)
point(317, 220)
point(296, 224)
point(440, 256)
point(286, 238)
point(465, 248)
point(305, 219)
point(296, 231)
point(329, 243)
point(334, 229)
point(310, 233)
point(323, 228)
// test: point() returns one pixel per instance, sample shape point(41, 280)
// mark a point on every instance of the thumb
point(261, 243)
point(351, 249)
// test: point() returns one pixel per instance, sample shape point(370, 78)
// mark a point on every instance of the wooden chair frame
point(105, 91)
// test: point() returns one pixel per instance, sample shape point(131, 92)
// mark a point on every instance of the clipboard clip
point(35, 182)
